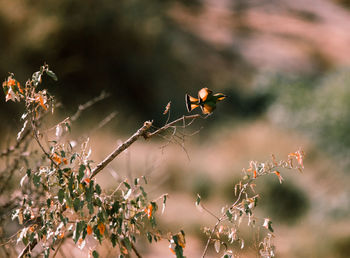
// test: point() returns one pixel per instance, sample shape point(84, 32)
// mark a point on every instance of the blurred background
point(284, 64)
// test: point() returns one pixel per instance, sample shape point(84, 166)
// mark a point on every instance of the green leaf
point(63, 219)
point(36, 180)
point(229, 215)
point(51, 74)
point(269, 226)
point(28, 172)
point(81, 172)
point(144, 194)
point(95, 254)
point(98, 189)
point(47, 252)
point(48, 202)
point(79, 226)
point(116, 207)
point(144, 179)
point(127, 185)
point(70, 184)
point(73, 157)
point(136, 181)
point(198, 199)
point(149, 237)
point(68, 127)
point(90, 207)
point(76, 204)
point(127, 243)
point(60, 195)
point(114, 239)
point(255, 202)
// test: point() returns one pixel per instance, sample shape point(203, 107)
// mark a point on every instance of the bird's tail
point(191, 102)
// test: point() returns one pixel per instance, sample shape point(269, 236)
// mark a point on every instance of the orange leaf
point(101, 227)
point(89, 230)
point(149, 211)
point(60, 236)
point(278, 174)
point(41, 100)
point(56, 158)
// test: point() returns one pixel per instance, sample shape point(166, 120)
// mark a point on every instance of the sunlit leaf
point(51, 74)
point(217, 245)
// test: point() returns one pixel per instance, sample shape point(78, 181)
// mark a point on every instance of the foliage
point(60, 199)
point(243, 208)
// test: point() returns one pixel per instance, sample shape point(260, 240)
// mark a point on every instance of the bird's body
point(206, 101)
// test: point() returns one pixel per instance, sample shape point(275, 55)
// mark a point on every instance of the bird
point(206, 100)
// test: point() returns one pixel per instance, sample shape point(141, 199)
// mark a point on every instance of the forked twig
point(143, 131)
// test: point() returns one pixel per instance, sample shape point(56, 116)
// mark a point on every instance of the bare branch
point(135, 250)
point(143, 131)
point(11, 149)
point(88, 104)
point(140, 132)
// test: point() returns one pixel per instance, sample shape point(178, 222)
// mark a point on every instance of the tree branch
point(140, 132)
point(143, 131)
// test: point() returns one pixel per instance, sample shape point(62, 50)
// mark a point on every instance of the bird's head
point(220, 96)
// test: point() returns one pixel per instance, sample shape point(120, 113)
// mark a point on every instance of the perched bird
point(206, 100)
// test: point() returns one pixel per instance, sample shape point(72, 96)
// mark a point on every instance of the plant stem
point(210, 237)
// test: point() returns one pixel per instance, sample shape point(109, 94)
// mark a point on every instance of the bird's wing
point(191, 102)
point(207, 109)
point(204, 93)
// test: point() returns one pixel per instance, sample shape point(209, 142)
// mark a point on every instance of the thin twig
point(28, 248)
point(88, 104)
point(58, 248)
point(11, 149)
point(135, 250)
point(36, 137)
point(210, 237)
point(165, 127)
point(105, 121)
